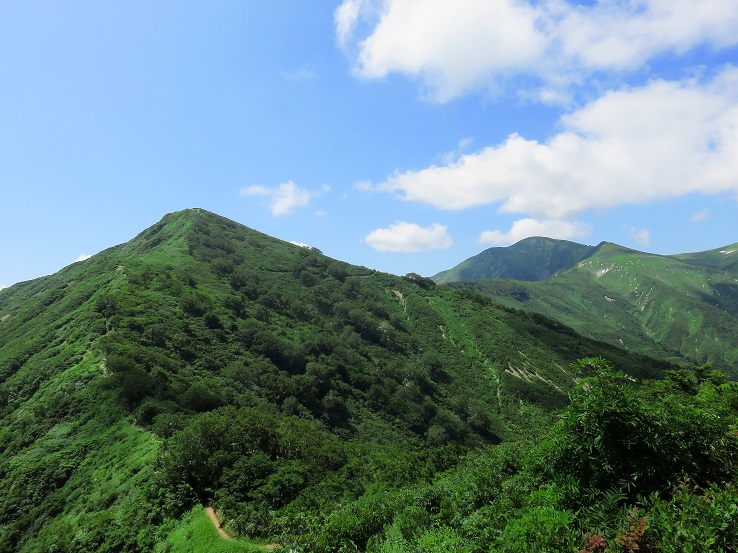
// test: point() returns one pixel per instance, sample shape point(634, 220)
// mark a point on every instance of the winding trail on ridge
point(211, 515)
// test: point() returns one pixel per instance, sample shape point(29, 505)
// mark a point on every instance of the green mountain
point(532, 259)
point(319, 406)
point(683, 308)
point(722, 258)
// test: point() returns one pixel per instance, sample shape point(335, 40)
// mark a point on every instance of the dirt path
point(211, 515)
point(214, 519)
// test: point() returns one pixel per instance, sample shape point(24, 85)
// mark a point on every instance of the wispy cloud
point(700, 216)
point(301, 74)
point(455, 47)
point(83, 257)
point(525, 228)
point(642, 236)
point(461, 147)
point(634, 145)
point(404, 237)
point(346, 17)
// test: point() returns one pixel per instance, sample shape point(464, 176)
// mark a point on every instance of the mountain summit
point(532, 259)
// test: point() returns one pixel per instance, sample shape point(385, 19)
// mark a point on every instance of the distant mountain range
point(680, 307)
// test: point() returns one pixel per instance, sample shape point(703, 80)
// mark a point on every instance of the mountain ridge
point(153, 376)
point(531, 259)
point(670, 306)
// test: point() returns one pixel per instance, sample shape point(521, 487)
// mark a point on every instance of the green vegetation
point(195, 533)
point(680, 308)
point(532, 259)
point(723, 258)
point(319, 406)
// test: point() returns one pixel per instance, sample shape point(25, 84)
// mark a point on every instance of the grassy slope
point(723, 258)
point(661, 306)
point(532, 259)
point(195, 533)
point(198, 313)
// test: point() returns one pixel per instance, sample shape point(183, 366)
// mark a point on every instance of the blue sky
point(403, 135)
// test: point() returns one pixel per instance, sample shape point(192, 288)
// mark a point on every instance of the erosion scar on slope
point(211, 515)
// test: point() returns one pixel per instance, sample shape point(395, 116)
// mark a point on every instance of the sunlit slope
point(669, 307)
point(110, 369)
point(722, 258)
point(532, 259)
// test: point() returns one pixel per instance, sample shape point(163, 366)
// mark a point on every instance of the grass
point(195, 533)
point(655, 305)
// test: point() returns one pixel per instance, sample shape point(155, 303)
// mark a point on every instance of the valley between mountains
point(549, 396)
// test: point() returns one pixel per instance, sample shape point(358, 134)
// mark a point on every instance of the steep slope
point(532, 259)
point(204, 362)
point(670, 307)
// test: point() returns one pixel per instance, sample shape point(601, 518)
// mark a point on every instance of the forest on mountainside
point(319, 406)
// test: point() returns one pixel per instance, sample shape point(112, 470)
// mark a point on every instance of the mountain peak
point(531, 259)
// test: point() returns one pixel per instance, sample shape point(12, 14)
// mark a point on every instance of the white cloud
point(700, 216)
point(83, 257)
point(2, 286)
point(663, 140)
point(346, 17)
point(301, 244)
point(283, 199)
point(409, 237)
point(454, 47)
point(525, 228)
point(641, 235)
point(623, 35)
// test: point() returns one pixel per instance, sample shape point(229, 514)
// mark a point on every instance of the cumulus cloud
point(454, 47)
point(451, 45)
point(283, 199)
point(525, 228)
point(662, 140)
point(408, 237)
point(83, 257)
